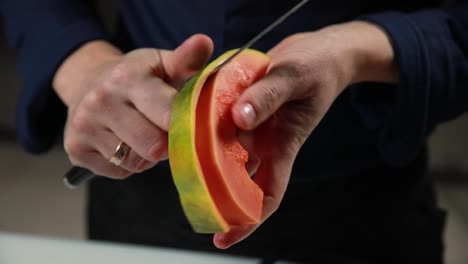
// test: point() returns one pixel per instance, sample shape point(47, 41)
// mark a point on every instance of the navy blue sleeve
point(431, 48)
point(44, 33)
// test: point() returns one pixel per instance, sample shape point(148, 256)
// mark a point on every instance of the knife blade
point(260, 35)
point(77, 175)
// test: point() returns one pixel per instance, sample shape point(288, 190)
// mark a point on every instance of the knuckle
point(75, 150)
point(120, 75)
point(99, 99)
point(81, 123)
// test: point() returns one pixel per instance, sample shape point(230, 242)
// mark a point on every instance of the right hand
point(112, 97)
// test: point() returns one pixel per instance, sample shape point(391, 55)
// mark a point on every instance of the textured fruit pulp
point(236, 196)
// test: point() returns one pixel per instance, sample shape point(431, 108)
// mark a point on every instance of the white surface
point(454, 199)
point(20, 249)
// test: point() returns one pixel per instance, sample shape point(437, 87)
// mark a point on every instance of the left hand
point(306, 74)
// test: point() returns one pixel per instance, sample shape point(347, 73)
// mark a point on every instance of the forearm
point(70, 80)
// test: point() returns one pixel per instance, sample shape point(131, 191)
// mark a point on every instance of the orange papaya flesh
point(207, 160)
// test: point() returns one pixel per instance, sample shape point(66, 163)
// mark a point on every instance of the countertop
point(24, 249)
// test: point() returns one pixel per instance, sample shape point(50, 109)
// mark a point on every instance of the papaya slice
point(206, 158)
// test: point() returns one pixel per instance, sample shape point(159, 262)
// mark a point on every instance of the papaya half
point(206, 158)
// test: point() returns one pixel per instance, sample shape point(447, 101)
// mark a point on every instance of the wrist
point(71, 79)
point(365, 52)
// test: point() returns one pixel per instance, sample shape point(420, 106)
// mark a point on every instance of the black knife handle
point(77, 176)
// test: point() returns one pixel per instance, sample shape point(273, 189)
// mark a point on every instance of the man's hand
point(307, 72)
point(113, 97)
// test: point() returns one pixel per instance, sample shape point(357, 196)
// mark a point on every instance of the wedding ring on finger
point(121, 152)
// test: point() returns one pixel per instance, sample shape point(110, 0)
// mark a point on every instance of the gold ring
point(120, 154)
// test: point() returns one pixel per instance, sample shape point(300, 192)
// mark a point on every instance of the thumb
point(187, 59)
point(272, 177)
point(260, 101)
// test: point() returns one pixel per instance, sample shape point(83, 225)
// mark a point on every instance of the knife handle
point(76, 176)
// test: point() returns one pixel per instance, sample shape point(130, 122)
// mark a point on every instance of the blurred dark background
point(9, 83)
point(34, 201)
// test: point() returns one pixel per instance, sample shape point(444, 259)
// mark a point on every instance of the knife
point(262, 33)
point(77, 175)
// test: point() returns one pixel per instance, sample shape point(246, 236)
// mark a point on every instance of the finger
point(246, 138)
point(81, 131)
point(252, 165)
point(241, 232)
point(137, 131)
point(107, 146)
point(189, 58)
point(154, 98)
point(102, 167)
point(257, 103)
point(85, 156)
point(272, 177)
point(87, 138)
point(235, 234)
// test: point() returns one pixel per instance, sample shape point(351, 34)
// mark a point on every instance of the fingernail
point(248, 114)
